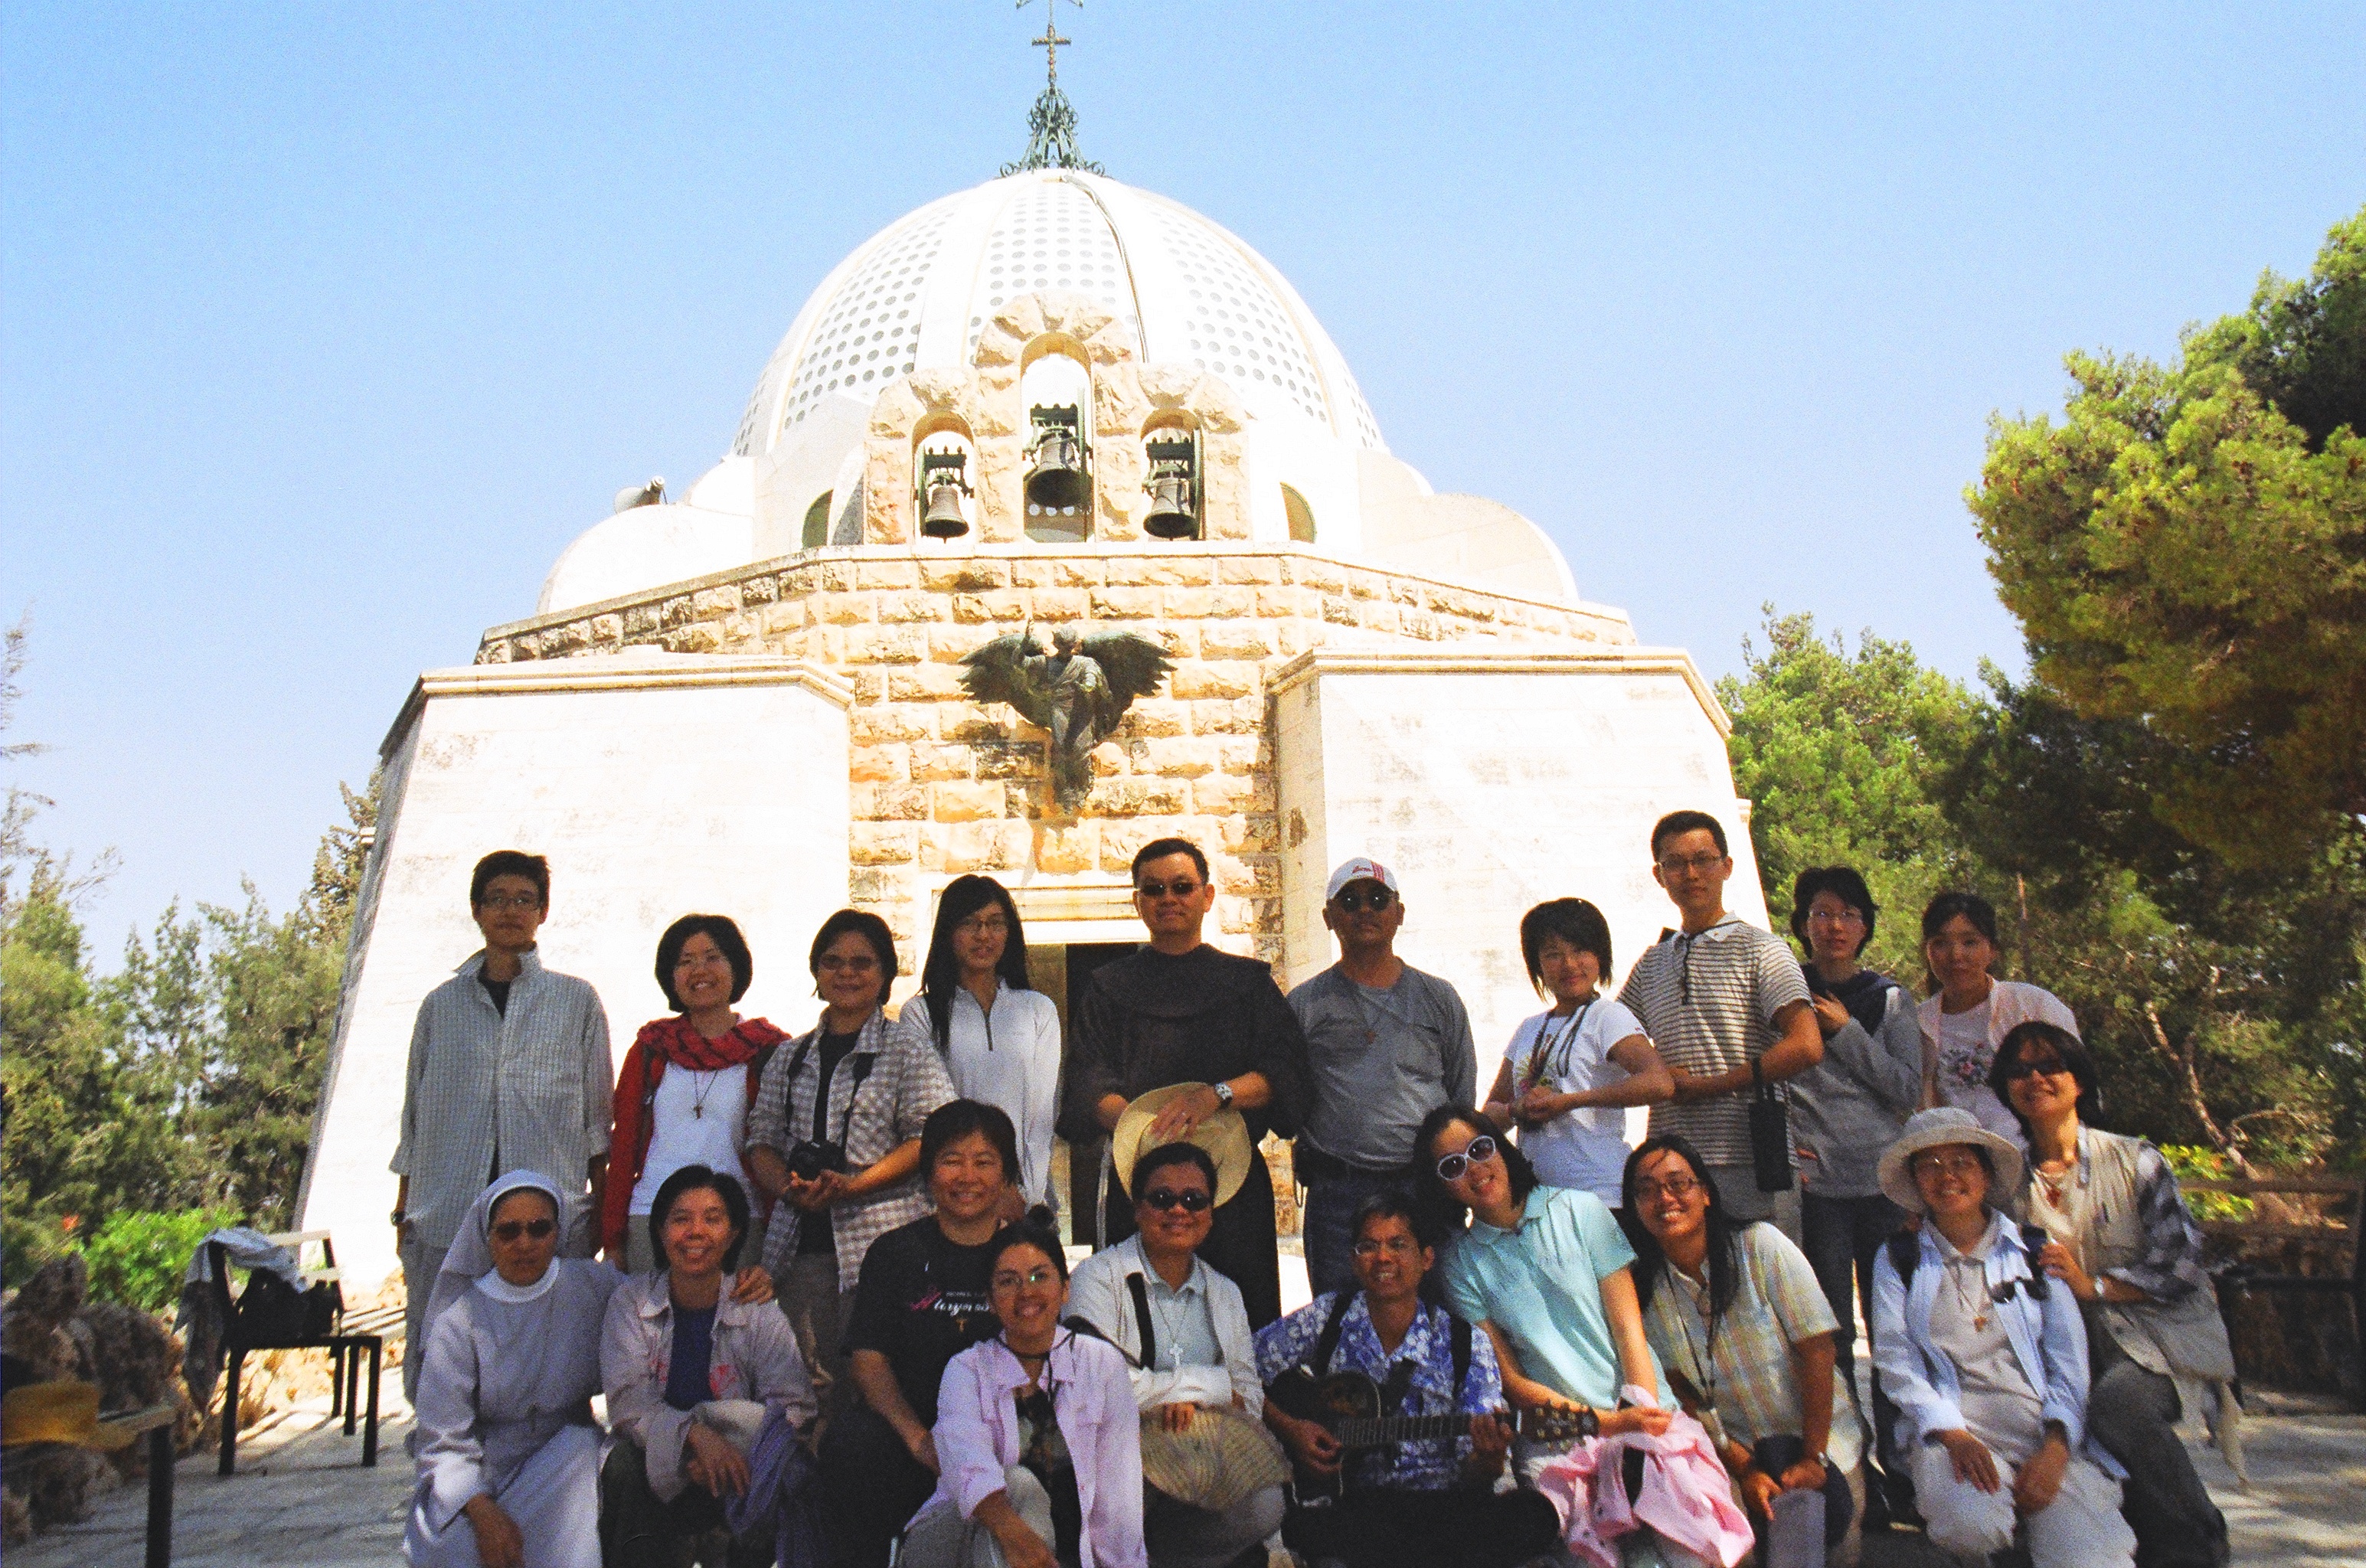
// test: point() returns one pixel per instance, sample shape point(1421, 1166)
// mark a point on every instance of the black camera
point(809, 1159)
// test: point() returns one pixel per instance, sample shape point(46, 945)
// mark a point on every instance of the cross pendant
point(698, 1112)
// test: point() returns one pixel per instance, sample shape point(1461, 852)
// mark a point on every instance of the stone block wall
point(940, 784)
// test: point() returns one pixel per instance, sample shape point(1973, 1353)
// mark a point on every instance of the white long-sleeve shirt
point(1007, 1056)
point(1204, 1352)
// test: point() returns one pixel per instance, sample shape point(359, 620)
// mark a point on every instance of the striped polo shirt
point(1708, 1003)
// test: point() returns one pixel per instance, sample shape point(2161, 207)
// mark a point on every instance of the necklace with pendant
point(698, 1105)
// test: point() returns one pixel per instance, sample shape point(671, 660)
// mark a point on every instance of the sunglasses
point(2023, 1068)
point(510, 1230)
point(1182, 888)
point(1376, 900)
point(1478, 1151)
point(1192, 1200)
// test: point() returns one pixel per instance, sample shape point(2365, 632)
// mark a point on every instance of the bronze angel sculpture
point(1075, 687)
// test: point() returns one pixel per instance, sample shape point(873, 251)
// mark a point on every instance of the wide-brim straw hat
point(1225, 1136)
point(1936, 1128)
point(62, 1412)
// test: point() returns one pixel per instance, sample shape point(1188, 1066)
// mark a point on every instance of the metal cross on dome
point(1052, 123)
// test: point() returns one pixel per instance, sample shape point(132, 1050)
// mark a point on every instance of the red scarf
point(661, 1042)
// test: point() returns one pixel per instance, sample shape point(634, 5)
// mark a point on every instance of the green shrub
point(27, 1242)
point(138, 1259)
point(2192, 1162)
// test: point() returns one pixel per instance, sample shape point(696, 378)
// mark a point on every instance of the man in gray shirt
point(509, 1070)
point(1389, 1044)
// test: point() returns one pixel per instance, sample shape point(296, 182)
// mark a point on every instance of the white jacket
point(1098, 1293)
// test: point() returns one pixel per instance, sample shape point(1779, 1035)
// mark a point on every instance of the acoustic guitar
point(1349, 1404)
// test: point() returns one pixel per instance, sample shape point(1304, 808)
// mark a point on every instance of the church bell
point(941, 484)
point(1055, 466)
point(1173, 463)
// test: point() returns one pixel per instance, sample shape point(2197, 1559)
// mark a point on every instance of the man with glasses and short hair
point(1388, 1045)
point(509, 1070)
point(1726, 1006)
point(1176, 1012)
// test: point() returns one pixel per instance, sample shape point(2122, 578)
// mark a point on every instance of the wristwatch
point(1223, 1095)
point(397, 1218)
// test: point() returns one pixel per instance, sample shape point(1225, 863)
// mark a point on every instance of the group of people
point(837, 1322)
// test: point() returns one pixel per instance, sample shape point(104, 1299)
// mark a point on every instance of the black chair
point(2242, 1278)
point(344, 1349)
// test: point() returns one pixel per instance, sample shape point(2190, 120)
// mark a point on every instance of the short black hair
point(1429, 1187)
point(867, 926)
point(956, 1119)
point(1027, 1233)
point(1971, 907)
point(694, 1179)
point(1573, 920)
point(1160, 849)
point(1177, 1153)
point(510, 863)
point(1676, 822)
point(1388, 1203)
point(1842, 882)
point(2068, 1046)
point(724, 932)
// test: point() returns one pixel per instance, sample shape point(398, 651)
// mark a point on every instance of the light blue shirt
point(1541, 1286)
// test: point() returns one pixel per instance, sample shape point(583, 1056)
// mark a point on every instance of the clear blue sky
point(324, 328)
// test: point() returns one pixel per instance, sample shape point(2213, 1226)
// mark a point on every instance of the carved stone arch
point(1132, 397)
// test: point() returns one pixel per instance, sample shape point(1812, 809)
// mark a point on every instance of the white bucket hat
point(1936, 1128)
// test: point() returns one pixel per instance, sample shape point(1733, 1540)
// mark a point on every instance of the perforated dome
point(917, 294)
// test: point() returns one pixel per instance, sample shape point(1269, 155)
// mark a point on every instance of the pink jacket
point(1092, 1398)
point(1686, 1495)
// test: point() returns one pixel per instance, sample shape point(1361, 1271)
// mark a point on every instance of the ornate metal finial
point(1052, 123)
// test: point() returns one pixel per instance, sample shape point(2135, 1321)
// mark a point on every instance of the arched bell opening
point(816, 527)
point(1302, 516)
point(1056, 391)
point(1170, 477)
point(945, 476)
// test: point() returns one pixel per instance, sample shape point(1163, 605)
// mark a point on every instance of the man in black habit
point(1180, 1011)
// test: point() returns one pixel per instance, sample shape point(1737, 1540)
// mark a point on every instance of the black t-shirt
point(921, 1300)
point(814, 1232)
point(499, 990)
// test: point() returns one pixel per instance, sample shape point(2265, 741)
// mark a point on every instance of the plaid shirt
point(1742, 1363)
point(903, 1081)
point(1432, 1464)
point(530, 1086)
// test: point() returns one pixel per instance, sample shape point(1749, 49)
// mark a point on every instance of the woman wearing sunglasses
point(508, 1455)
point(1193, 1360)
point(677, 1351)
point(1546, 1273)
point(1986, 1359)
point(2124, 1245)
point(1039, 1450)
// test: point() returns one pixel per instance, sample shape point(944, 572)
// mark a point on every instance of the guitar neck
point(1371, 1433)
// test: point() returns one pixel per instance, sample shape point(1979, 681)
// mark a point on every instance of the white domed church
point(1051, 403)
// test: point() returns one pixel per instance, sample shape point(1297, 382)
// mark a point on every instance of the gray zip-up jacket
point(1852, 1105)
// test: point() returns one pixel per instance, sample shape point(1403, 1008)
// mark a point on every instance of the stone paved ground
point(301, 1497)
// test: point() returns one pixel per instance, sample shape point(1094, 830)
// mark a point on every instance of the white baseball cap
point(1360, 870)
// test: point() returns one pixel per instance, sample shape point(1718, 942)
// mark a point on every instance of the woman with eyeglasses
point(1545, 1271)
point(1572, 1071)
point(508, 1455)
point(1183, 1332)
point(1039, 1450)
point(998, 1037)
point(683, 1093)
point(2124, 1245)
point(1984, 1357)
point(1740, 1322)
point(1973, 1010)
point(688, 1369)
point(836, 1132)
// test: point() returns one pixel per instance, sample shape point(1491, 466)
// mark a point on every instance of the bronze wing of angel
point(998, 674)
point(1132, 666)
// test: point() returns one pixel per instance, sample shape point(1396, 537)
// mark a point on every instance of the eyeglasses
point(510, 1230)
point(859, 965)
point(509, 901)
point(1674, 1187)
point(1478, 1151)
point(1190, 1200)
point(1844, 915)
point(1035, 1278)
point(1675, 865)
point(1376, 900)
point(1395, 1247)
point(1947, 1165)
point(2023, 1068)
point(983, 925)
point(1182, 888)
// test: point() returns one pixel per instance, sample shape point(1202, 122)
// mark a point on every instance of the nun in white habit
point(508, 1455)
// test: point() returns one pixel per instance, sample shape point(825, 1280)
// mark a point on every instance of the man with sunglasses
point(1185, 1335)
point(509, 1070)
point(1178, 1010)
point(1388, 1045)
point(1729, 1011)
